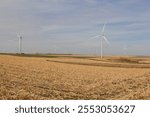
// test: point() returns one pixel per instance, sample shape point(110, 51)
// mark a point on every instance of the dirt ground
point(74, 78)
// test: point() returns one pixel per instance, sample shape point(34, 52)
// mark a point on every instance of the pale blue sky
point(66, 26)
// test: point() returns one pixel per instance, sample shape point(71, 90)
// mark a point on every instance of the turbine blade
point(96, 36)
point(103, 29)
point(106, 40)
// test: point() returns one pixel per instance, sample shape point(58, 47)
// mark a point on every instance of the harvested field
point(74, 77)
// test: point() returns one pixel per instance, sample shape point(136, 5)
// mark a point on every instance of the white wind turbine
point(20, 43)
point(102, 37)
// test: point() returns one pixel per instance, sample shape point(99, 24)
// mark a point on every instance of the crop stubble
point(37, 78)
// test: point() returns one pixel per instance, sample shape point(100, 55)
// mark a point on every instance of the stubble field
point(74, 78)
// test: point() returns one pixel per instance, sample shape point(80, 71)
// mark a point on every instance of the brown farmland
point(64, 77)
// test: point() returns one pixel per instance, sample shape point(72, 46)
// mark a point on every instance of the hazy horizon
point(66, 26)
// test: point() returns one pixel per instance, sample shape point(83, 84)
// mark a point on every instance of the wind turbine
point(102, 37)
point(20, 43)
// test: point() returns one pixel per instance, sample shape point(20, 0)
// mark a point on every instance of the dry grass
point(41, 78)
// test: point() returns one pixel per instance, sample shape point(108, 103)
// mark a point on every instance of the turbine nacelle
point(19, 36)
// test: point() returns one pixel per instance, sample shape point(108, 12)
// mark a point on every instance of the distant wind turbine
point(20, 43)
point(102, 37)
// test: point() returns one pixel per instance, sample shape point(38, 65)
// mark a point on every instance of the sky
point(67, 26)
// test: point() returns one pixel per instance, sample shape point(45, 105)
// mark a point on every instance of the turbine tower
point(20, 43)
point(102, 37)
